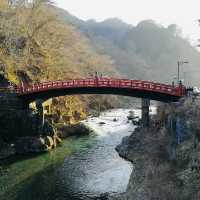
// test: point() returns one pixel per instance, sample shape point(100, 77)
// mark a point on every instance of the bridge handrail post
point(22, 86)
point(96, 81)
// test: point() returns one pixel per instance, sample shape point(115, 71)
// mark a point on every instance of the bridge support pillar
point(145, 112)
point(40, 112)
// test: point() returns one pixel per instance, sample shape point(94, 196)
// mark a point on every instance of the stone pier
point(145, 112)
point(40, 111)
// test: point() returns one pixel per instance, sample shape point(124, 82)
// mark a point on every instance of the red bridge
point(125, 87)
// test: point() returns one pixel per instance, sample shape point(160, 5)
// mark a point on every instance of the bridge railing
point(104, 82)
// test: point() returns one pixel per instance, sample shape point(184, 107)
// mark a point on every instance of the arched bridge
point(125, 87)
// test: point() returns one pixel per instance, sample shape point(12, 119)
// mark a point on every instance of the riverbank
point(165, 161)
point(37, 144)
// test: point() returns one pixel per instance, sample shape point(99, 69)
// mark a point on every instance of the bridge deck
point(101, 85)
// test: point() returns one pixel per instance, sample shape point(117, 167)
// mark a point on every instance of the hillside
point(148, 51)
point(145, 51)
point(36, 46)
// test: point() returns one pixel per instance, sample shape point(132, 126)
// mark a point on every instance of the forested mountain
point(146, 51)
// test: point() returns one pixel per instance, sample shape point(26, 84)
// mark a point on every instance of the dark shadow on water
point(37, 176)
point(18, 157)
point(40, 186)
point(44, 185)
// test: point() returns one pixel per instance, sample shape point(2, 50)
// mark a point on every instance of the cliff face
point(166, 165)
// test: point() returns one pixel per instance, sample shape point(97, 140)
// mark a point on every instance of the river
point(82, 168)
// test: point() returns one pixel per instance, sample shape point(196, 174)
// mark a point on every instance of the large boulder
point(25, 145)
point(30, 145)
point(6, 150)
point(49, 142)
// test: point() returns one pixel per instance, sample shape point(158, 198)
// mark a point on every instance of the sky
point(184, 13)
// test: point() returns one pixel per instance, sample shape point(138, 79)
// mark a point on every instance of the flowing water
point(82, 168)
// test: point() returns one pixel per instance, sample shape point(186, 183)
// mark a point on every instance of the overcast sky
point(181, 12)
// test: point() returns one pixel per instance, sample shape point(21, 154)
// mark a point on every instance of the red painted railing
point(103, 83)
